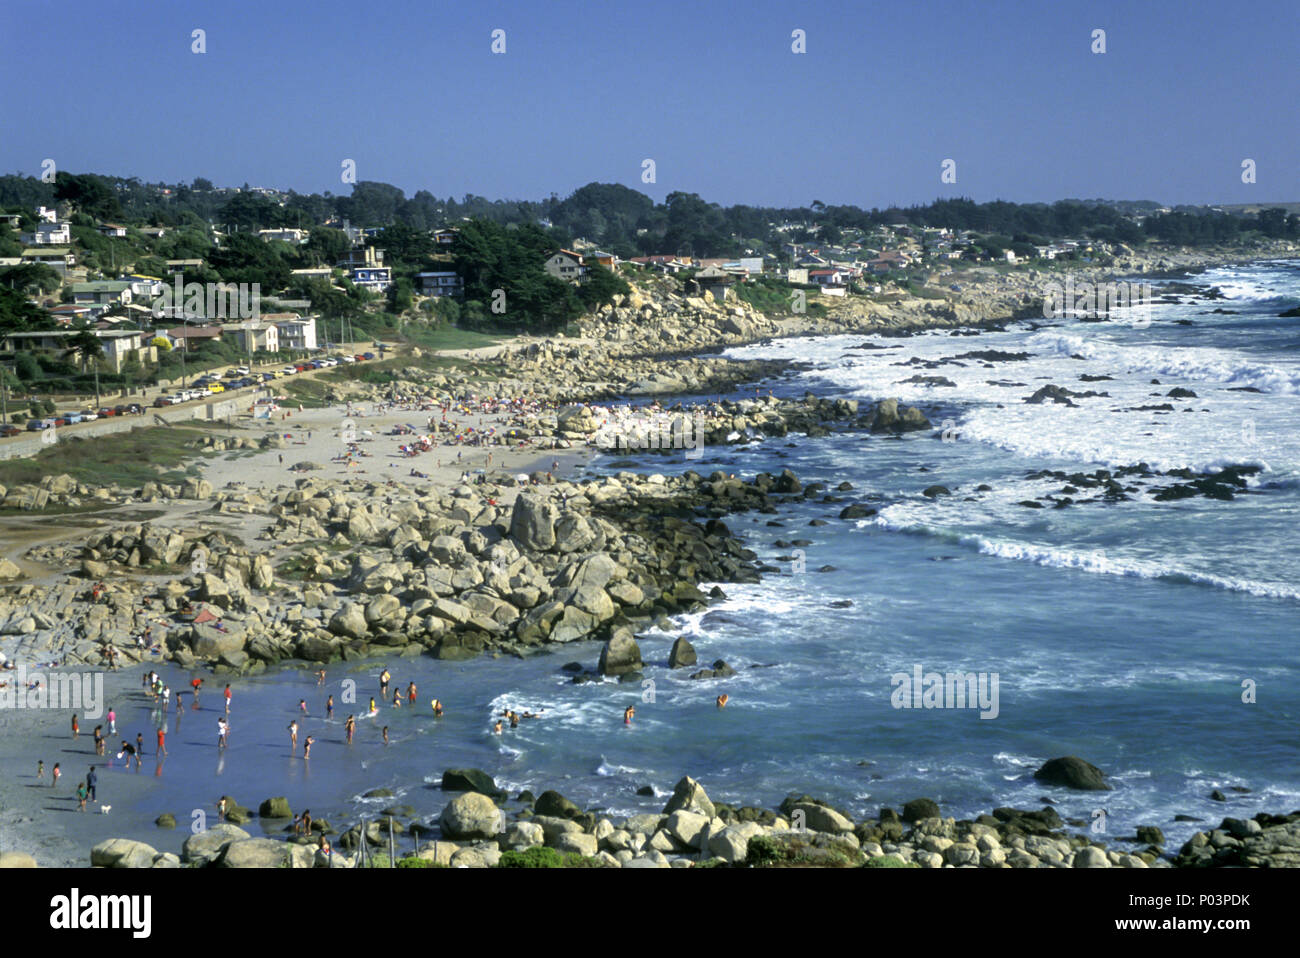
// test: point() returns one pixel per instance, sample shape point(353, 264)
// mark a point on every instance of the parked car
point(216, 388)
point(8, 430)
point(70, 418)
point(164, 401)
point(89, 415)
point(347, 359)
point(106, 412)
point(130, 409)
point(367, 355)
point(290, 370)
point(36, 425)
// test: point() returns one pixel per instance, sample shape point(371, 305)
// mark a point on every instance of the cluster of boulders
point(481, 823)
point(1265, 841)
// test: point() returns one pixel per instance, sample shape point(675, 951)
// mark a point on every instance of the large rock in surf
point(682, 654)
point(551, 803)
point(620, 654)
point(920, 808)
point(891, 417)
point(1072, 772)
point(471, 780)
point(274, 808)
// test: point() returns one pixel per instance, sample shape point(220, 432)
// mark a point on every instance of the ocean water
point(1126, 633)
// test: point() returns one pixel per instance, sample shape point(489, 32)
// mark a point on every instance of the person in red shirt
point(162, 741)
point(227, 698)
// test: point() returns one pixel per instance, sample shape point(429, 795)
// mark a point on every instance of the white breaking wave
point(1187, 364)
point(1095, 561)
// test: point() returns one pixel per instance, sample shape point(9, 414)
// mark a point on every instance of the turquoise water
point(1119, 632)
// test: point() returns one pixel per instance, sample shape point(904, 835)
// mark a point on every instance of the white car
point(348, 359)
point(241, 371)
point(289, 370)
point(88, 415)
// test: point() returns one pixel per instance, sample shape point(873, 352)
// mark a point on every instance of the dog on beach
point(105, 809)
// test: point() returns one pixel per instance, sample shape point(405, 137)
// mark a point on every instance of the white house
point(284, 235)
point(295, 332)
point(252, 337)
point(48, 234)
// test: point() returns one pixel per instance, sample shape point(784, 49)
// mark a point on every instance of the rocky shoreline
point(482, 828)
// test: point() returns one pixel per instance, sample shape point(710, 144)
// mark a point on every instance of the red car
point(7, 431)
point(107, 411)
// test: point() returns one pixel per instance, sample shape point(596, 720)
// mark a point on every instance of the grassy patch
point(539, 856)
point(889, 861)
point(130, 459)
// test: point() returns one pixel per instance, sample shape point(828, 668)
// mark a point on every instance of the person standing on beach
point(320, 677)
point(221, 809)
point(162, 741)
point(410, 694)
point(227, 698)
point(293, 737)
point(223, 727)
point(329, 707)
point(385, 734)
point(75, 730)
point(91, 779)
point(139, 743)
point(397, 699)
point(350, 726)
point(54, 776)
point(99, 740)
point(302, 706)
point(112, 722)
point(40, 770)
point(306, 746)
point(384, 678)
point(81, 796)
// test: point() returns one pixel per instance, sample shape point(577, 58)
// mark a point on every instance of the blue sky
point(712, 92)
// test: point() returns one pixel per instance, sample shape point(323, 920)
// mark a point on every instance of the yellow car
point(216, 388)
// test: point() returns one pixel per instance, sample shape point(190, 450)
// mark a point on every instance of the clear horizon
point(414, 95)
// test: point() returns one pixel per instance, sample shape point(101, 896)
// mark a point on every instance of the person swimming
point(722, 700)
point(628, 713)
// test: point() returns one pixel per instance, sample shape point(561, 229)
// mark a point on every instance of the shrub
point(412, 861)
point(889, 861)
point(539, 856)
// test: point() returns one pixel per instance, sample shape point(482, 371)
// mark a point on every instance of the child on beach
point(306, 746)
point(329, 707)
point(221, 809)
point(81, 796)
point(385, 734)
point(54, 776)
point(350, 726)
point(40, 771)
